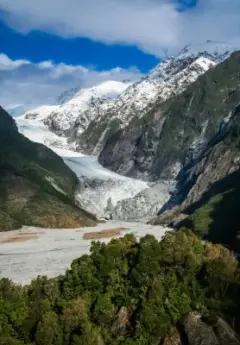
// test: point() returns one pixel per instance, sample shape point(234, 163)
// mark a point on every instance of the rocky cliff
point(194, 138)
point(174, 134)
point(170, 77)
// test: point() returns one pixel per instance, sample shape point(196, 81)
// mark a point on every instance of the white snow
point(217, 50)
point(51, 251)
point(97, 184)
point(168, 78)
point(78, 106)
point(40, 113)
point(36, 131)
point(54, 184)
point(111, 100)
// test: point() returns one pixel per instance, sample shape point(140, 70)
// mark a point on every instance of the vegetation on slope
point(216, 215)
point(36, 187)
point(124, 293)
point(209, 190)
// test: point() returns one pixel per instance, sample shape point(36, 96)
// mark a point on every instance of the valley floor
point(31, 251)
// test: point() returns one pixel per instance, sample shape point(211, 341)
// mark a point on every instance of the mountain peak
point(217, 51)
point(108, 88)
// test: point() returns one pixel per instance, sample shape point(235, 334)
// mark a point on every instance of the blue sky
point(48, 46)
point(38, 46)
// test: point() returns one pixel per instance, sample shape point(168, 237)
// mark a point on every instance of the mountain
point(173, 133)
point(75, 108)
point(88, 117)
point(195, 138)
point(206, 198)
point(36, 187)
point(169, 78)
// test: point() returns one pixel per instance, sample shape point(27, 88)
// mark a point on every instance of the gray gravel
point(52, 250)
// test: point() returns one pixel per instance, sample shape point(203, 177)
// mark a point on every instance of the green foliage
point(104, 309)
point(215, 216)
point(49, 330)
point(123, 293)
point(202, 219)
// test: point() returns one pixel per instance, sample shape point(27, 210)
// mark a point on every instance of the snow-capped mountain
point(40, 113)
point(76, 108)
point(170, 77)
point(211, 50)
point(87, 117)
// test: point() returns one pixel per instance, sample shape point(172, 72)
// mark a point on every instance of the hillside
point(177, 291)
point(36, 187)
point(206, 199)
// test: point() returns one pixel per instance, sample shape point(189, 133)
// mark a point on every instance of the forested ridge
point(127, 292)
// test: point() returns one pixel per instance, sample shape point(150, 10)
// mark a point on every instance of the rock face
point(36, 187)
point(169, 78)
point(175, 339)
point(121, 321)
point(207, 189)
point(200, 332)
point(193, 137)
point(174, 134)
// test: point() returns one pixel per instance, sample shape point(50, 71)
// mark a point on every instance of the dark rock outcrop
point(121, 321)
point(203, 331)
point(173, 135)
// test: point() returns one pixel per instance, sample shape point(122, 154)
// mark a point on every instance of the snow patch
point(53, 183)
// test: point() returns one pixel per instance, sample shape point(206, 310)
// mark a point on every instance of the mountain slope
point(36, 187)
point(76, 108)
point(169, 78)
point(174, 133)
point(195, 138)
point(206, 199)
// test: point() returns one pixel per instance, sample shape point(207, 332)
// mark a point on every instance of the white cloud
point(23, 82)
point(155, 26)
point(7, 64)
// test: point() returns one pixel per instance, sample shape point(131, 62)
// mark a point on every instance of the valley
point(100, 191)
point(125, 201)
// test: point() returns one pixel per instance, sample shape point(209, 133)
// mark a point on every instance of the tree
point(104, 309)
point(49, 331)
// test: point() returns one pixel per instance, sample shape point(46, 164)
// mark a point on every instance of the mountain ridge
point(168, 78)
point(88, 123)
point(75, 108)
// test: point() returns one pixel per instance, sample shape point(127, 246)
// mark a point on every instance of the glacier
point(98, 186)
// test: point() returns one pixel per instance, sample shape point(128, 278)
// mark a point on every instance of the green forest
point(125, 292)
